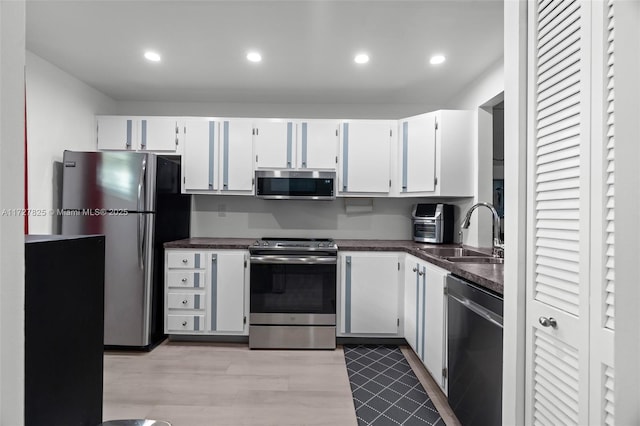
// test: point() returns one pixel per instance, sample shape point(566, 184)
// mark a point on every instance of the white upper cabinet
point(236, 135)
point(274, 143)
point(418, 149)
point(318, 144)
point(436, 154)
point(154, 134)
point(365, 146)
point(200, 160)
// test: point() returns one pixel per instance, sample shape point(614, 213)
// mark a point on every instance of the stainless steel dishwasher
point(474, 353)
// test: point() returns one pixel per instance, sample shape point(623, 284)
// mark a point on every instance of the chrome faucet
point(498, 245)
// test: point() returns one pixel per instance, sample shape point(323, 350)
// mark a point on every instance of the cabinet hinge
point(398, 322)
point(245, 263)
point(435, 180)
point(444, 373)
point(398, 266)
point(389, 183)
point(253, 181)
point(436, 124)
point(336, 132)
point(253, 132)
point(244, 320)
point(336, 159)
point(177, 130)
point(445, 290)
point(184, 180)
point(185, 130)
point(256, 158)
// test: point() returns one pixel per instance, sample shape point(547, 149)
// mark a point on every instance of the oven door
point(426, 231)
point(293, 290)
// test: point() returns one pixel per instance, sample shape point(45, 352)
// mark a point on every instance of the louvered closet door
point(558, 213)
point(603, 243)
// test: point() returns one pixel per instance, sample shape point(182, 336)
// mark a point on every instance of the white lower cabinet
point(206, 291)
point(370, 294)
point(424, 315)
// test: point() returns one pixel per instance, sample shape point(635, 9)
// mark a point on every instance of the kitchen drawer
point(185, 259)
point(185, 301)
point(185, 279)
point(185, 323)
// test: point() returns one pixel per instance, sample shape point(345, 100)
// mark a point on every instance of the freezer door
point(108, 180)
point(128, 273)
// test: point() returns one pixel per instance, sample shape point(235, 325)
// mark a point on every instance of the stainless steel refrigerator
point(134, 200)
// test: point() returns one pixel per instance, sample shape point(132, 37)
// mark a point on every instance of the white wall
point(60, 115)
point(12, 42)
point(250, 217)
point(485, 91)
point(264, 110)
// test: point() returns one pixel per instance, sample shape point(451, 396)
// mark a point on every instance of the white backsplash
point(250, 217)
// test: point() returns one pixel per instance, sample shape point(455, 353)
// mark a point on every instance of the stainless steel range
point(293, 293)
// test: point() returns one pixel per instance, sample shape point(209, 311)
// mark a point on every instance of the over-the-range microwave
point(296, 184)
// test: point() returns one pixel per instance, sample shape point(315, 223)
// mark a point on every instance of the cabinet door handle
point(420, 273)
point(414, 269)
point(548, 322)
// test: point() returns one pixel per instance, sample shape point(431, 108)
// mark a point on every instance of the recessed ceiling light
point(437, 59)
point(152, 56)
point(254, 57)
point(361, 58)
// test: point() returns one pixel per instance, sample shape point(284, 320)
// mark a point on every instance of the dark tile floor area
point(385, 389)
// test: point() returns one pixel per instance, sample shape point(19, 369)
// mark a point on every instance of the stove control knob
point(265, 243)
point(257, 243)
point(321, 245)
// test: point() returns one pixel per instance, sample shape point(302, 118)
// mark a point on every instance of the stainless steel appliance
point(474, 346)
point(293, 294)
point(134, 200)
point(296, 184)
point(432, 223)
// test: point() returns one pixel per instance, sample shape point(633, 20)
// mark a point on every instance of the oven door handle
point(294, 260)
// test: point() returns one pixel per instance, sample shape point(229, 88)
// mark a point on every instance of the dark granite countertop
point(486, 275)
point(489, 276)
point(212, 243)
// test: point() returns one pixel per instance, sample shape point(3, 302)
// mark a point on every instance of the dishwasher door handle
point(478, 309)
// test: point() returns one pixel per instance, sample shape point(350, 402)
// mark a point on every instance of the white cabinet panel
point(185, 279)
point(206, 291)
point(228, 284)
point(274, 144)
point(185, 323)
point(117, 133)
point(200, 159)
point(237, 154)
point(158, 134)
point(318, 144)
point(436, 154)
point(418, 137)
point(369, 293)
point(424, 315)
point(185, 301)
point(366, 153)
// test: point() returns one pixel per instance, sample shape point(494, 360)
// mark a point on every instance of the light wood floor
point(207, 384)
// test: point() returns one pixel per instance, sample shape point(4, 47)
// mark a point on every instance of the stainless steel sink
point(452, 252)
point(476, 259)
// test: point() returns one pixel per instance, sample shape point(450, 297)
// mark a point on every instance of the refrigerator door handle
point(141, 229)
point(141, 182)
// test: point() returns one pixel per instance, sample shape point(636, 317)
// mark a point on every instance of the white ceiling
point(307, 46)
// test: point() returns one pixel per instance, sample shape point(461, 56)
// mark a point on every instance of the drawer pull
point(185, 261)
point(184, 280)
point(415, 270)
point(184, 323)
point(185, 301)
